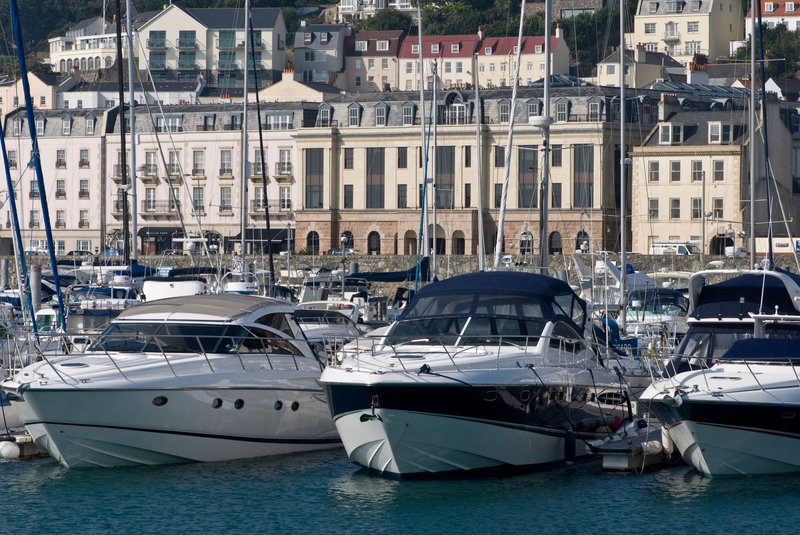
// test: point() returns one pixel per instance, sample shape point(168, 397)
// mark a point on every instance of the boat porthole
point(159, 401)
point(295, 405)
point(490, 395)
point(525, 395)
point(278, 405)
point(238, 404)
point(788, 415)
point(217, 403)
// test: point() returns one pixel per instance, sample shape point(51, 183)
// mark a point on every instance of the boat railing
point(251, 352)
point(556, 351)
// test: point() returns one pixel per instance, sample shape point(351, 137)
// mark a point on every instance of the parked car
point(80, 252)
point(338, 251)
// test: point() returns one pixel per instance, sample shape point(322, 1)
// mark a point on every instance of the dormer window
point(354, 115)
point(719, 133)
point(435, 49)
point(534, 108)
point(562, 110)
point(39, 127)
point(380, 114)
point(505, 111)
point(361, 46)
point(415, 49)
point(538, 49)
point(789, 7)
point(696, 5)
point(323, 38)
point(594, 111)
point(382, 46)
point(454, 48)
point(515, 50)
point(90, 126)
point(324, 117)
point(17, 129)
point(487, 51)
point(769, 7)
point(307, 38)
point(653, 7)
point(670, 134)
point(66, 126)
point(408, 115)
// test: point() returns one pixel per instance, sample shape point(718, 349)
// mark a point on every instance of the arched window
point(83, 64)
point(97, 63)
point(90, 64)
point(373, 243)
point(582, 242)
point(69, 64)
point(410, 243)
point(554, 245)
point(62, 66)
point(312, 242)
point(108, 61)
point(459, 242)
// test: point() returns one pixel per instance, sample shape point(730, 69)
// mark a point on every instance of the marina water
point(323, 492)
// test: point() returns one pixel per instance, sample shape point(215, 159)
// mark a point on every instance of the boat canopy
point(764, 349)
point(743, 295)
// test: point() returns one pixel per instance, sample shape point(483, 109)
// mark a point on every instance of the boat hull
point(403, 431)
point(115, 427)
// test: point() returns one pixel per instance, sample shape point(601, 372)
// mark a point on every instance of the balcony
point(187, 65)
point(61, 194)
point(156, 44)
point(255, 170)
point(227, 66)
point(205, 128)
point(83, 224)
point(232, 126)
point(152, 209)
point(226, 44)
point(61, 224)
point(198, 171)
point(174, 169)
point(277, 209)
point(34, 223)
point(671, 36)
point(117, 171)
point(257, 45)
point(33, 194)
point(283, 168)
point(61, 164)
point(226, 209)
point(12, 164)
point(156, 66)
point(187, 43)
point(226, 172)
point(83, 164)
point(83, 194)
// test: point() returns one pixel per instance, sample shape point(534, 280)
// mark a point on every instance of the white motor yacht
point(740, 415)
point(484, 371)
point(198, 378)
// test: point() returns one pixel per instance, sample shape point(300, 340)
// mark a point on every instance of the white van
point(674, 247)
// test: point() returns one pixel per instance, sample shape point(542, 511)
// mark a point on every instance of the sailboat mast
point(244, 142)
point(132, 98)
point(751, 118)
point(622, 179)
point(122, 197)
point(764, 130)
point(545, 125)
point(498, 246)
point(478, 164)
point(434, 120)
point(422, 149)
point(37, 164)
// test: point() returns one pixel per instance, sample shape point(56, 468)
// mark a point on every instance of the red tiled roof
point(467, 46)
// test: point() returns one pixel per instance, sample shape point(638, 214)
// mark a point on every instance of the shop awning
point(159, 232)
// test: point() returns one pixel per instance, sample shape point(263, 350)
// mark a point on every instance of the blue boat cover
point(502, 282)
point(766, 349)
point(396, 276)
point(739, 296)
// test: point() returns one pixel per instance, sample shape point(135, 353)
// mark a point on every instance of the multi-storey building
point(691, 176)
point(371, 61)
point(184, 42)
point(90, 45)
point(319, 52)
point(683, 28)
point(361, 9)
point(362, 167)
point(497, 58)
point(642, 68)
point(774, 13)
point(71, 153)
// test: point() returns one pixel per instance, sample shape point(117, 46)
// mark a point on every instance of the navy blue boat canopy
point(742, 295)
point(765, 349)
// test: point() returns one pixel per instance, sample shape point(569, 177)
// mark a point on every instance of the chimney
point(559, 32)
point(480, 33)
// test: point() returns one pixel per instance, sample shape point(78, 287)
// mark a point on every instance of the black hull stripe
point(199, 435)
point(167, 389)
point(517, 427)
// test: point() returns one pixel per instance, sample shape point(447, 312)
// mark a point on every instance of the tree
point(387, 19)
point(780, 51)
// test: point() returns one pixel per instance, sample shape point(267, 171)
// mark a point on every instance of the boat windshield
point(191, 338)
point(659, 303)
point(472, 318)
point(76, 295)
